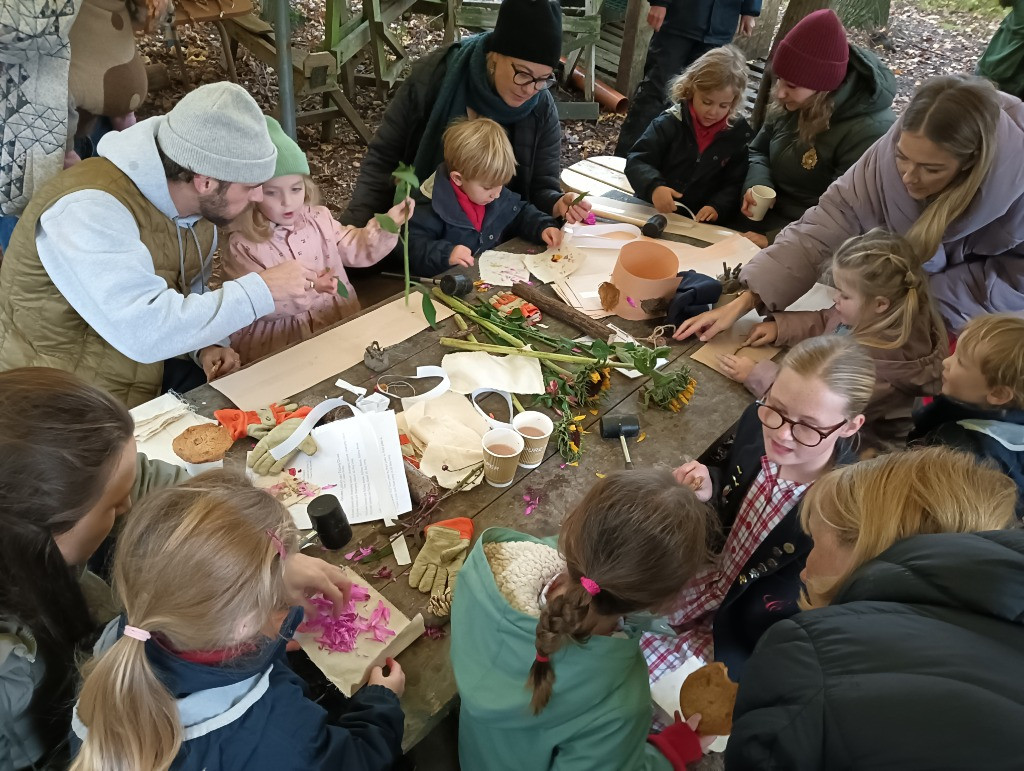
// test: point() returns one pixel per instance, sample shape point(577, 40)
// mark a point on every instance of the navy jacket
point(995, 435)
point(255, 715)
point(439, 225)
point(710, 21)
point(916, 664)
point(667, 155)
point(768, 587)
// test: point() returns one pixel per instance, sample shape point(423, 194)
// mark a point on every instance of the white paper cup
point(764, 197)
point(502, 447)
point(535, 428)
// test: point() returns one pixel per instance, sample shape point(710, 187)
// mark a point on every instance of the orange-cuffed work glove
point(442, 555)
point(257, 423)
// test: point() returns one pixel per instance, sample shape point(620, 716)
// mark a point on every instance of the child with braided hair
point(882, 300)
point(548, 677)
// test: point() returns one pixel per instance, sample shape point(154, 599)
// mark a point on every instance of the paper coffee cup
point(502, 447)
point(764, 197)
point(535, 428)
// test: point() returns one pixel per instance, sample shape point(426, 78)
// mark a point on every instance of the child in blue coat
point(465, 208)
point(981, 408)
point(193, 674)
point(696, 152)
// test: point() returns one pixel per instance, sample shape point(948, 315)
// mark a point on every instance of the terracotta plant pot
point(645, 277)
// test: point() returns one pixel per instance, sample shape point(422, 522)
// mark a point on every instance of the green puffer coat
point(798, 173)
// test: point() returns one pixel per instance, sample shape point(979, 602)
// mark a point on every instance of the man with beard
point(106, 273)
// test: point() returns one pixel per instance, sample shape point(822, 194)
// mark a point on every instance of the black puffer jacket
point(536, 142)
point(917, 664)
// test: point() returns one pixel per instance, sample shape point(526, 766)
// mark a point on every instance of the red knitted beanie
point(815, 53)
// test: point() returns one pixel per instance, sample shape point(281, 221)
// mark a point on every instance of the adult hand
point(664, 199)
point(326, 282)
point(216, 360)
point(747, 207)
point(707, 214)
point(736, 367)
point(747, 25)
point(461, 256)
point(288, 282)
point(572, 213)
point(760, 241)
point(765, 333)
point(710, 323)
point(305, 576)
point(695, 475)
point(263, 463)
point(552, 236)
point(656, 16)
point(393, 681)
point(402, 211)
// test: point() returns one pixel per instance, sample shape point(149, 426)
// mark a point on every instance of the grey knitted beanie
point(218, 130)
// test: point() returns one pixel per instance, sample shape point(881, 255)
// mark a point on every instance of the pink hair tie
point(591, 586)
point(278, 544)
point(542, 659)
point(136, 634)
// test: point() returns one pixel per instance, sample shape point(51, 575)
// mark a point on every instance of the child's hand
point(305, 576)
point(765, 333)
point(695, 475)
point(761, 242)
point(461, 256)
point(664, 199)
point(402, 211)
point(394, 680)
point(552, 236)
point(326, 282)
point(572, 213)
point(217, 360)
point(736, 367)
point(707, 214)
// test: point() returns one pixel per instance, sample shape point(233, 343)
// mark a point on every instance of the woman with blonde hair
point(948, 175)
point(912, 653)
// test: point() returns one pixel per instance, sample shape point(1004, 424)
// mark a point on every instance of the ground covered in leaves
point(924, 38)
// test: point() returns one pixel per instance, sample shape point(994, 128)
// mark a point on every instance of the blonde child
point(981, 408)
point(193, 673)
point(882, 300)
point(805, 425)
point(288, 225)
point(546, 678)
point(467, 209)
point(696, 151)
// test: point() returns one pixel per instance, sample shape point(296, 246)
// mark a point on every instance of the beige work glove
point(263, 463)
point(442, 555)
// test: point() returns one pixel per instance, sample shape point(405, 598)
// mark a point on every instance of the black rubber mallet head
point(621, 426)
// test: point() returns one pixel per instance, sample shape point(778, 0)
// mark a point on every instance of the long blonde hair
point(875, 503)
point(840, 363)
point(640, 536)
point(723, 67)
point(198, 567)
point(813, 117)
point(255, 228)
point(882, 264)
point(960, 114)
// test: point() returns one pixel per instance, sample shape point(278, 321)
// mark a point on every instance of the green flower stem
point(465, 345)
point(465, 310)
point(461, 324)
point(405, 245)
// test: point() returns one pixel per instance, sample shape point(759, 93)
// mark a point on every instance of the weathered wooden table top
point(717, 404)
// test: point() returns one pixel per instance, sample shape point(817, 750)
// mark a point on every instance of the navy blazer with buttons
point(769, 585)
point(439, 224)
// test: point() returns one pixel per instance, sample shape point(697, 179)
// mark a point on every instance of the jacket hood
point(134, 151)
point(869, 86)
point(1009, 435)
point(496, 665)
point(977, 573)
point(208, 697)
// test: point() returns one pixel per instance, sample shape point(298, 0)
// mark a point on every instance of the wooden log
point(555, 307)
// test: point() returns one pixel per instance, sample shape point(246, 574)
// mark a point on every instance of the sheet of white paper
point(555, 263)
point(665, 694)
point(170, 416)
point(600, 236)
point(470, 370)
point(502, 268)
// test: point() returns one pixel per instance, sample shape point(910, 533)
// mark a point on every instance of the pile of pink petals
point(339, 633)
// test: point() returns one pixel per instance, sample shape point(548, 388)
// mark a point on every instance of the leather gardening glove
point(442, 555)
point(263, 463)
point(237, 422)
point(274, 415)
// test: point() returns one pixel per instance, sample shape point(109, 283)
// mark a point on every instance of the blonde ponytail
point(960, 114)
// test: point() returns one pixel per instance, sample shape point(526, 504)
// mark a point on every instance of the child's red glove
point(679, 744)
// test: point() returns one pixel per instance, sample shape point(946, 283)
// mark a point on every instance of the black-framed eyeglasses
point(808, 436)
point(525, 78)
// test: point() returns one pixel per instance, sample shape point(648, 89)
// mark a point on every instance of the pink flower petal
point(631, 302)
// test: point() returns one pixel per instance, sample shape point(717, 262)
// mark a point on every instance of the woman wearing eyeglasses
point(504, 75)
point(803, 427)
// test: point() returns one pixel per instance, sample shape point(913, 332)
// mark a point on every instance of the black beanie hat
point(530, 30)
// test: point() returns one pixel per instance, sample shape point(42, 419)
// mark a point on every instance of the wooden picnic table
point(716, 405)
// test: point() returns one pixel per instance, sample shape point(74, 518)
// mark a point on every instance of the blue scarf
point(465, 85)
